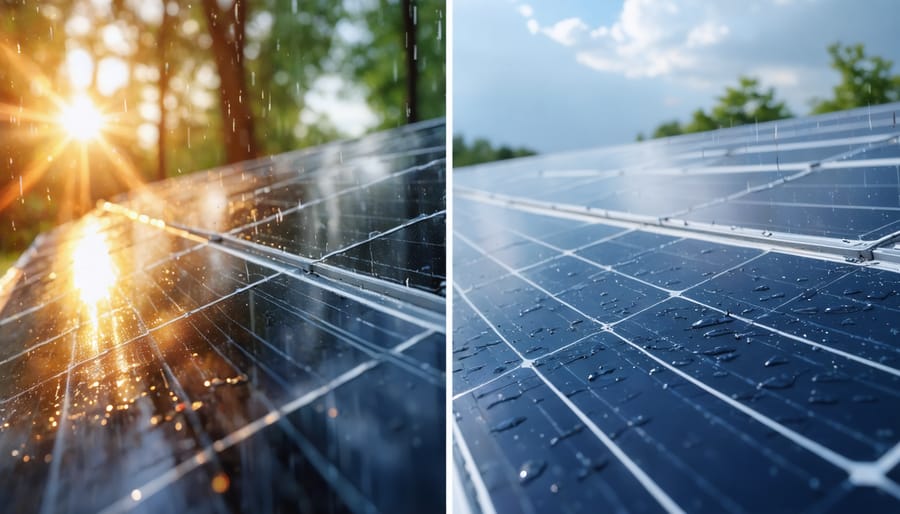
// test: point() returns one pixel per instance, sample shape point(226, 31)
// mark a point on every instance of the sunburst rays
point(67, 125)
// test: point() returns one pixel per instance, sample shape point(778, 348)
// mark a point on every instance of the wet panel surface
point(708, 368)
point(537, 456)
point(146, 364)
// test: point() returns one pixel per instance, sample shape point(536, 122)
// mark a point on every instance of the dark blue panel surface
point(718, 370)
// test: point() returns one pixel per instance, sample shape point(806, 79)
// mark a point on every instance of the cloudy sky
point(565, 74)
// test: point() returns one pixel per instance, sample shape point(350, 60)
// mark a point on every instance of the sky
point(557, 75)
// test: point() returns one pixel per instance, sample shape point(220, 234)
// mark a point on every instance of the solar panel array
point(704, 323)
point(267, 336)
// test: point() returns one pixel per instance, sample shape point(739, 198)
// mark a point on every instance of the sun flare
point(81, 119)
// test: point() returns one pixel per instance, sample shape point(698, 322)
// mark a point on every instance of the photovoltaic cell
point(153, 358)
point(678, 325)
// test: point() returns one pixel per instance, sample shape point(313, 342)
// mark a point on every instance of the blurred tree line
point(864, 81)
point(190, 85)
point(481, 150)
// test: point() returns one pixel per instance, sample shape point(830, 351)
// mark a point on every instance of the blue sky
point(565, 74)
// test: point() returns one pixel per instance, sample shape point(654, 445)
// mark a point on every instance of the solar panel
point(266, 336)
point(703, 323)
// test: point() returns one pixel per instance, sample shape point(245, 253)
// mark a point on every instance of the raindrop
point(775, 361)
point(565, 435)
point(638, 421)
point(531, 470)
point(530, 309)
point(841, 309)
point(717, 332)
point(808, 293)
point(829, 377)
point(574, 392)
point(599, 373)
point(879, 295)
point(503, 399)
point(508, 424)
point(710, 321)
point(719, 350)
point(777, 382)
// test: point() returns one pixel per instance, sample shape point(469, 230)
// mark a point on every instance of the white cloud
point(654, 38)
point(526, 10)
point(599, 32)
point(777, 76)
point(533, 26)
point(708, 33)
point(566, 32)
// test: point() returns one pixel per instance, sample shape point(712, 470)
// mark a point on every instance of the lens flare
point(81, 119)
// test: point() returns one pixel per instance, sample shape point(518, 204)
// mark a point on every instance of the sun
point(81, 119)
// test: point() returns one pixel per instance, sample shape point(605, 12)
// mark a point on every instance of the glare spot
point(112, 75)
point(81, 119)
point(220, 483)
point(136, 495)
point(93, 270)
point(80, 67)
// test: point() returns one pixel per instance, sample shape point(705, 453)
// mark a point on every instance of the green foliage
point(864, 80)
point(377, 62)
point(740, 105)
point(671, 128)
point(481, 151)
point(292, 54)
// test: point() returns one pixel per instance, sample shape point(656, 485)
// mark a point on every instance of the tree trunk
point(162, 42)
point(412, 70)
point(227, 31)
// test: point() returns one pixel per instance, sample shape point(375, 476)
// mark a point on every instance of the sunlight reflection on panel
point(93, 276)
point(94, 271)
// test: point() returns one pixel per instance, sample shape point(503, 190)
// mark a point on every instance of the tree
point(746, 103)
point(227, 28)
point(294, 45)
point(400, 59)
point(864, 80)
point(481, 151)
point(671, 128)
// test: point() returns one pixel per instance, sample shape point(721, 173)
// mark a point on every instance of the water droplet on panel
point(777, 382)
point(508, 424)
point(530, 470)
